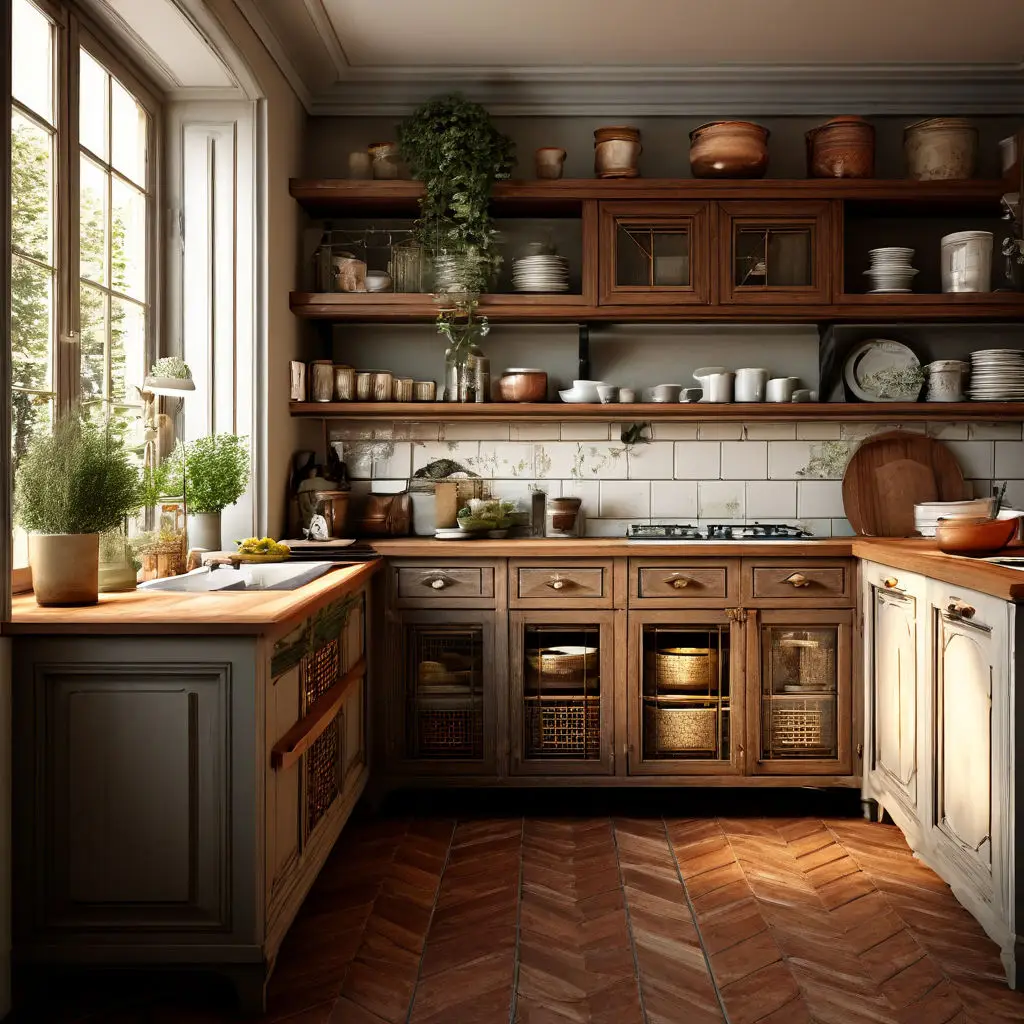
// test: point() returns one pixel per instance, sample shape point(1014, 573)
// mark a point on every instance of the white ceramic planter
point(204, 531)
point(65, 567)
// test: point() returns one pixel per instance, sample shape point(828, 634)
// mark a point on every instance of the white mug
point(666, 392)
point(780, 389)
point(607, 393)
point(703, 376)
point(719, 387)
point(750, 384)
point(627, 395)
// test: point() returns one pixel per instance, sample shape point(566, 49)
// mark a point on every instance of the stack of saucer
point(997, 375)
point(541, 273)
point(890, 270)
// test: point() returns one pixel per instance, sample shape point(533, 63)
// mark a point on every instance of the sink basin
point(246, 578)
point(1008, 561)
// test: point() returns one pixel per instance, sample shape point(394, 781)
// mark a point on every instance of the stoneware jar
point(729, 149)
point(549, 162)
point(841, 148)
point(344, 383)
point(941, 148)
point(945, 380)
point(381, 385)
point(321, 380)
point(617, 152)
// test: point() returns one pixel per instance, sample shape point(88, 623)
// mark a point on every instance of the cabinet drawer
point(541, 585)
point(671, 583)
point(773, 582)
point(443, 585)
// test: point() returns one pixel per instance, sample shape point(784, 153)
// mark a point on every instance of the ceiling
point(568, 56)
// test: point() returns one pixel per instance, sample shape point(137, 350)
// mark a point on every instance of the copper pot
point(523, 385)
point(617, 151)
point(729, 149)
point(841, 148)
point(974, 536)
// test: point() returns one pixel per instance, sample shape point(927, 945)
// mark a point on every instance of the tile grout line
point(430, 921)
point(513, 1002)
point(629, 923)
point(696, 925)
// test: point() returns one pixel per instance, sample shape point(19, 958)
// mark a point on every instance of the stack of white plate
point(997, 375)
point(928, 513)
point(890, 271)
point(541, 273)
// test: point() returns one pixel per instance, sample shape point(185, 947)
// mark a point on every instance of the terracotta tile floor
point(611, 920)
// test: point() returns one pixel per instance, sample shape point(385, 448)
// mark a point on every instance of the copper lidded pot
point(729, 149)
point(843, 147)
point(617, 152)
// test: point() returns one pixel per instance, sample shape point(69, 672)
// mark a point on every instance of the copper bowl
point(974, 536)
point(729, 149)
point(521, 384)
point(841, 148)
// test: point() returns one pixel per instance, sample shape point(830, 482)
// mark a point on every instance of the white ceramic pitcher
point(750, 384)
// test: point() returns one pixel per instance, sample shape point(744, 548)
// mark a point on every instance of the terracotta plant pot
point(729, 149)
point(841, 148)
point(65, 567)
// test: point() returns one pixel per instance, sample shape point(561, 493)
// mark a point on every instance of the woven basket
point(678, 729)
point(807, 663)
point(556, 661)
point(563, 726)
point(806, 726)
point(448, 731)
point(682, 668)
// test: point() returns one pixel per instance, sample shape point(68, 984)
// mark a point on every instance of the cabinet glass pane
point(685, 692)
point(444, 692)
point(773, 257)
point(799, 702)
point(649, 256)
point(562, 692)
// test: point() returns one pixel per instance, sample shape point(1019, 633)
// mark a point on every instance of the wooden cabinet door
point(774, 253)
point(563, 668)
point(685, 693)
point(654, 253)
point(799, 692)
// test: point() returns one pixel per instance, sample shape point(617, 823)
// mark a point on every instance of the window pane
point(127, 350)
point(92, 106)
point(92, 206)
point(31, 188)
point(31, 324)
point(128, 240)
point(93, 314)
point(32, 59)
point(129, 130)
point(31, 416)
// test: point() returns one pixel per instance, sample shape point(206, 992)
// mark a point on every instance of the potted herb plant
point(216, 475)
point(72, 485)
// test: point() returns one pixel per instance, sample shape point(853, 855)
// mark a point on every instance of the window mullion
point(66, 356)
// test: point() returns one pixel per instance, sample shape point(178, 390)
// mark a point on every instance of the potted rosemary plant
point(72, 485)
point(216, 475)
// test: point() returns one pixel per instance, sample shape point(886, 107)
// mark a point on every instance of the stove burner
point(662, 531)
point(717, 531)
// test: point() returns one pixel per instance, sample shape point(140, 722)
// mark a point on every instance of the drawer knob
point(891, 582)
point(797, 579)
point(960, 609)
point(436, 582)
point(679, 582)
point(556, 583)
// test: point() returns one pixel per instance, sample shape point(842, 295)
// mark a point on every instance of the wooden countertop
point(154, 612)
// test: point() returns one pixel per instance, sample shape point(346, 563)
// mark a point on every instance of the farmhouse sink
point(246, 578)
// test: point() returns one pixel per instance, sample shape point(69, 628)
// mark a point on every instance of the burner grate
point(716, 531)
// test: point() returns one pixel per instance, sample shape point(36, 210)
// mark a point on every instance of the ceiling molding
point(317, 14)
point(268, 37)
point(661, 91)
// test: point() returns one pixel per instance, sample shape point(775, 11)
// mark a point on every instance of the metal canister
point(481, 367)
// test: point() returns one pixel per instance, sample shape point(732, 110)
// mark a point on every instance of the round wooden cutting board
point(890, 474)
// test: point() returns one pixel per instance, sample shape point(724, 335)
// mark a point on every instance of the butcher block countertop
point(154, 612)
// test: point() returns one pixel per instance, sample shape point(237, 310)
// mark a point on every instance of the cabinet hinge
point(860, 749)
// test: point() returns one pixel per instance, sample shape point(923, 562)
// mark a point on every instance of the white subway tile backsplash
point(816, 527)
point(607, 527)
point(572, 431)
point(625, 499)
point(842, 528)
point(1009, 460)
point(819, 499)
point(600, 461)
point(976, 458)
point(697, 460)
point(819, 431)
point(588, 491)
point(1014, 497)
point(721, 499)
point(534, 431)
point(771, 499)
point(503, 460)
point(396, 463)
point(458, 451)
point(654, 461)
point(720, 431)
point(744, 460)
point(994, 431)
point(788, 459)
point(674, 431)
point(770, 431)
point(674, 500)
point(470, 430)
point(947, 431)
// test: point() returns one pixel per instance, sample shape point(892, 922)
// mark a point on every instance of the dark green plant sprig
point(453, 147)
point(216, 472)
point(78, 479)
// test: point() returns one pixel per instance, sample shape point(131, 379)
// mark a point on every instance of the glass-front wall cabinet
point(562, 673)
point(654, 252)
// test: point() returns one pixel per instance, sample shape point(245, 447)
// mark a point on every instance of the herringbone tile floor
point(622, 921)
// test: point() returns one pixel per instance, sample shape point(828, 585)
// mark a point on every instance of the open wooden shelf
point(882, 412)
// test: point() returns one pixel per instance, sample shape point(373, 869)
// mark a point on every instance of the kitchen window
point(84, 160)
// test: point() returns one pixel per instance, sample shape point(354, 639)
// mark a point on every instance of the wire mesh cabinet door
point(685, 693)
point(562, 670)
point(799, 692)
point(775, 253)
point(447, 673)
point(653, 253)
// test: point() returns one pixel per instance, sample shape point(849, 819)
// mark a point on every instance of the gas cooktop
point(717, 531)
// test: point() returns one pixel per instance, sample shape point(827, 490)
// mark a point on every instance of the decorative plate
point(883, 371)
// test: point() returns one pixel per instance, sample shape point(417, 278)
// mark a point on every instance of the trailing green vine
point(453, 147)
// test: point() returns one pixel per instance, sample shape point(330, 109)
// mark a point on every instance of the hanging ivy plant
point(453, 147)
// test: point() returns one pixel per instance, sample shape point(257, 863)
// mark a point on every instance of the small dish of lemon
point(262, 549)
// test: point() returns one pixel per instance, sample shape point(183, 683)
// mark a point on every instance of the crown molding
point(753, 91)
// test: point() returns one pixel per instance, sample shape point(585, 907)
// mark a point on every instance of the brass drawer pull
point(797, 579)
point(960, 609)
point(679, 582)
point(892, 583)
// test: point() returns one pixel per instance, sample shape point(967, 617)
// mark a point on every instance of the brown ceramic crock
point(729, 149)
point(841, 148)
point(521, 384)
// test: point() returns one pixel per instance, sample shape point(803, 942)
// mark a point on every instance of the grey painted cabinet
point(176, 796)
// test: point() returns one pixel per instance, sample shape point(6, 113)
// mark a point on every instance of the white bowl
point(587, 390)
point(575, 397)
